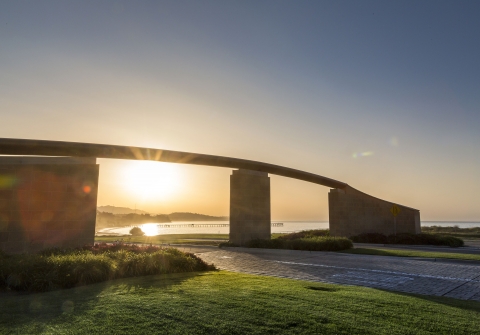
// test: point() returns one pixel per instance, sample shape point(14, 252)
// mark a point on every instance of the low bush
point(468, 233)
point(316, 243)
point(310, 243)
point(65, 268)
point(305, 234)
point(419, 239)
point(370, 238)
point(136, 231)
point(227, 244)
point(451, 229)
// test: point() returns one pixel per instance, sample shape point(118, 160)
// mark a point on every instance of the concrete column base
point(249, 206)
point(47, 202)
point(352, 212)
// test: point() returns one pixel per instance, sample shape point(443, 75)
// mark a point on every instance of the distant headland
point(112, 216)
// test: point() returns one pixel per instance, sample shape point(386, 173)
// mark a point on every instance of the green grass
point(409, 239)
point(305, 234)
point(194, 239)
point(412, 253)
point(198, 239)
point(231, 303)
point(311, 243)
point(312, 240)
point(54, 269)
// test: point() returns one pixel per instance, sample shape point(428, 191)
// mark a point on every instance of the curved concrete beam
point(11, 146)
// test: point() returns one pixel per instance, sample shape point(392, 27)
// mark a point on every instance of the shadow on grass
point(17, 308)
point(469, 305)
point(322, 288)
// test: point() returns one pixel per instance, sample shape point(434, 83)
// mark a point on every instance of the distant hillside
point(180, 216)
point(119, 210)
point(112, 216)
point(105, 220)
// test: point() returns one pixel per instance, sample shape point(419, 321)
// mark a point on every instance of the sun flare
point(151, 180)
point(150, 229)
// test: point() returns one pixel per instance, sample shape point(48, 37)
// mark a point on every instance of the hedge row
point(454, 229)
point(316, 243)
point(57, 269)
point(305, 234)
point(421, 239)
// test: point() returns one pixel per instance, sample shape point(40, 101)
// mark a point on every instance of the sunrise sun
point(151, 180)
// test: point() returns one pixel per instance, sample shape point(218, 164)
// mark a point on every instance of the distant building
point(47, 202)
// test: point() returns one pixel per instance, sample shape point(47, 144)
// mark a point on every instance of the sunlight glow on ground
point(150, 229)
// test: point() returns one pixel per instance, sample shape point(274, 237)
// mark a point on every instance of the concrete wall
point(47, 202)
point(249, 206)
point(352, 212)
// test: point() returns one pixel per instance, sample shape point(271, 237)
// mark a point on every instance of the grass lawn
point(231, 303)
point(411, 253)
point(198, 239)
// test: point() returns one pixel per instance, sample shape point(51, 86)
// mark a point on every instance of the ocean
point(288, 227)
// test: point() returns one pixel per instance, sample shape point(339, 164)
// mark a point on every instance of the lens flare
point(150, 229)
point(362, 154)
point(393, 141)
point(7, 181)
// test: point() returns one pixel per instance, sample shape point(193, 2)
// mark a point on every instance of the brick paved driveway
point(440, 278)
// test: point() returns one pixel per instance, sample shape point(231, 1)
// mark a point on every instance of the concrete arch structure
point(75, 149)
point(350, 211)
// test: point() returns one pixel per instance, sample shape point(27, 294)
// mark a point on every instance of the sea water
point(288, 227)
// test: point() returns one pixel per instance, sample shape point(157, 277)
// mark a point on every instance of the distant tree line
point(184, 216)
point(105, 219)
point(120, 220)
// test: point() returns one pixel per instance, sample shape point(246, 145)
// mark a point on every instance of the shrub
point(227, 244)
point(135, 231)
point(454, 229)
point(316, 243)
point(451, 241)
point(305, 234)
point(65, 268)
point(370, 238)
point(322, 244)
point(419, 239)
point(311, 240)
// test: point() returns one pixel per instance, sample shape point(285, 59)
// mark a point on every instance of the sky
point(382, 95)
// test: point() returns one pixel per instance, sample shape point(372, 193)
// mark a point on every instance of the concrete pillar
point(249, 206)
point(47, 202)
point(352, 212)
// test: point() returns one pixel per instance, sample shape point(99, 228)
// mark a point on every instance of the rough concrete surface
point(249, 206)
point(352, 212)
point(47, 202)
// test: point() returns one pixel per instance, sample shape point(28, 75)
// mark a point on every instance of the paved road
point(459, 280)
